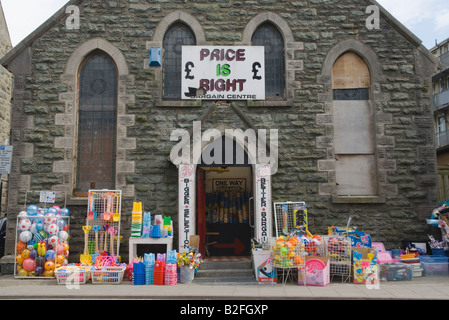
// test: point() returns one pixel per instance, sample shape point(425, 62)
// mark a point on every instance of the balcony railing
point(442, 139)
point(441, 99)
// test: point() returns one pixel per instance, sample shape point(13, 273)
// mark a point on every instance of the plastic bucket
point(156, 231)
point(186, 275)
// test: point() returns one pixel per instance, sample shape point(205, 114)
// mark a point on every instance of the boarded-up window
point(97, 122)
point(354, 128)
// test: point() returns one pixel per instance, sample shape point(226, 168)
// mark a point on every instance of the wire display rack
point(42, 235)
point(338, 250)
point(290, 217)
point(288, 259)
point(102, 229)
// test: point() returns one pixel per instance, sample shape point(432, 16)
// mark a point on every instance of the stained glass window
point(97, 123)
point(268, 36)
point(176, 36)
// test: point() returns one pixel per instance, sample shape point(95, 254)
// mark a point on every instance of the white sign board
point(5, 159)
point(187, 221)
point(223, 72)
point(262, 203)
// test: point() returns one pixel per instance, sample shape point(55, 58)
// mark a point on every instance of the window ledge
point(358, 199)
point(179, 103)
point(270, 103)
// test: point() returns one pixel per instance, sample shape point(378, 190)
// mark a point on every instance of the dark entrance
point(223, 206)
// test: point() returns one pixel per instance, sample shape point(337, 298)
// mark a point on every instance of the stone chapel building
point(342, 102)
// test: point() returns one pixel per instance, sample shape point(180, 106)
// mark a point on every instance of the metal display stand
point(290, 217)
point(338, 250)
point(288, 260)
point(102, 229)
point(41, 238)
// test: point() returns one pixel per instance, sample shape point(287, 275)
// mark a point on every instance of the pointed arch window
point(176, 36)
point(97, 123)
point(354, 127)
point(267, 35)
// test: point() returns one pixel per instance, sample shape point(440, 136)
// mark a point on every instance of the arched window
point(97, 123)
point(354, 128)
point(176, 36)
point(350, 78)
point(268, 36)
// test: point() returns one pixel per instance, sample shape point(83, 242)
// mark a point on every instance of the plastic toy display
point(42, 236)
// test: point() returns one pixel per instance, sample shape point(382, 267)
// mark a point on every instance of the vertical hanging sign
point(263, 203)
point(186, 204)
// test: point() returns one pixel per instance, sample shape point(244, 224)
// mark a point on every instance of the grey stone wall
point(44, 111)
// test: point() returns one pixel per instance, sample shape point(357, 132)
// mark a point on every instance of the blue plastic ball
point(32, 210)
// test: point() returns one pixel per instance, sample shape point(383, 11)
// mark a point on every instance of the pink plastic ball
point(29, 264)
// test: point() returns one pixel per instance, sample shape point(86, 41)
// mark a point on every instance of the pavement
point(420, 288)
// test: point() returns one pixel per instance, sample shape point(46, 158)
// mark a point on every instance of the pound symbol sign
point(255, 71)
point(188, 70)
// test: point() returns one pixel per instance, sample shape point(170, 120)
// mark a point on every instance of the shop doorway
point(225, 208)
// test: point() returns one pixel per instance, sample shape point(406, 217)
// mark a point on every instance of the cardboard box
point(364, 265)
point(316, 272)
point(265, 271)
point(194, 241)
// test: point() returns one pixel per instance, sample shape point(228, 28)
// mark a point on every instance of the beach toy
point(284, 219)
point(53, 229)
point(49, 218)
point(96, 228)
point(63, 236)
point(49, 265)
point(113, 232)
point(25, 236)
point(156, 231)
point(20, 247)
point(86, 257)
point(28, 264)
point(65, 212)
point(105, 228)
point(41, 248)
point(116, 216)
point(50, 255)
point(52, 210)
point(92, 214)
point(53, 241)
point(40, 261)
point(24, 225)
point(38, 270)
point(32, 210)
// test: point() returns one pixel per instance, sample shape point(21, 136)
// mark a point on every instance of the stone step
point(226, 272)
point(218, 265)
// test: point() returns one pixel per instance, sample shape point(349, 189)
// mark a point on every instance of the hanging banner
point(223, 72)
point(187, 223)
point(262, 203)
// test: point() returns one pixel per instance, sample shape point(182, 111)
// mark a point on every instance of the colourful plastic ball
point(39, 270)
point(23, 273)
point(50, 255)
point(29, 264)
point(19, 259)
point(64, 212)
point(32, 210)
point(26, 254)
point(25, 236)
point(24, 225)
point(49, 265)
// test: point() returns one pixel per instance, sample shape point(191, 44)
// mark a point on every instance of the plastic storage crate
point(396, 271)
point(435, 265)
point(72, 275)
point(108, 275)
